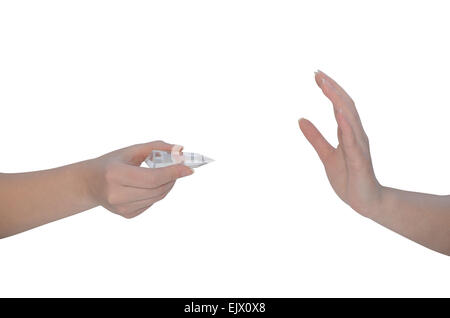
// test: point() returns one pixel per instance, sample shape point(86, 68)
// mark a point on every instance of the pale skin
point(423, 218)
point(115, 181)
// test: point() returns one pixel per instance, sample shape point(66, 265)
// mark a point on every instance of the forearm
point(423, 218)
point(31, 199)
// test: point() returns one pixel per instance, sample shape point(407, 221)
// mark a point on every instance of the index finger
point(150, 178)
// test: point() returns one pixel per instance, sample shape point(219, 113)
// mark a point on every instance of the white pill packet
point(160, 159)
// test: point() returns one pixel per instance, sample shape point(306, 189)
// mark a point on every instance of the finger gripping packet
point(160, 159)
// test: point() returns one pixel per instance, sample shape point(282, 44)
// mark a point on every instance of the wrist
point(371, 200)
point(379, 203)
point(86, 176)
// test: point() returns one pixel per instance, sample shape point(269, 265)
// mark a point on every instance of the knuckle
point(112, 198)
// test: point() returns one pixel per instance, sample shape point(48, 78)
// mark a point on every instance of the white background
point(228, 79)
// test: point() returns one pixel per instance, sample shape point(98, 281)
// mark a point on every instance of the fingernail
point(177, 148)
point(187, 172)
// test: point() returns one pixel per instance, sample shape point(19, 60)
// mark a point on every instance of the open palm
point(349, 165)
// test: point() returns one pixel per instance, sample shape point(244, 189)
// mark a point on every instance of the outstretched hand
point(349, 165)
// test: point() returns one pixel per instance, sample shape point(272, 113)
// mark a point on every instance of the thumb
point(136, 154)
point(315, 138)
